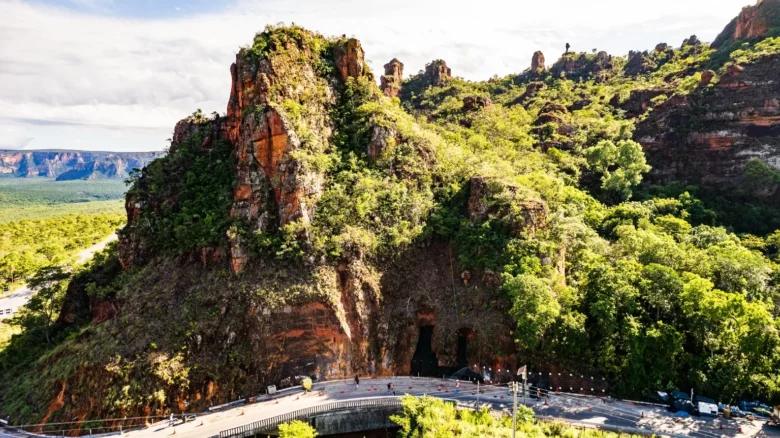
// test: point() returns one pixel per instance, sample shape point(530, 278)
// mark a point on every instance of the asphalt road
point(568, 407)
point(11, 303)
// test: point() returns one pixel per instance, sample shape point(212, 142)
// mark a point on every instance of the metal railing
point(254, 428)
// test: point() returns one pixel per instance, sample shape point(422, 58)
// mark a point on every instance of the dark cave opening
point(424, 361)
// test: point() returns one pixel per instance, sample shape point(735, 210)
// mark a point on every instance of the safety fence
point(256, 427)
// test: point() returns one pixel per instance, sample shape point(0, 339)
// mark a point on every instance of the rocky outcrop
point(531, 90)
point(753, 22)
point(639, 101)
point(537, 63)
point(601, 66)
point(392, 79)
point(484, 202)
point(553, 116)
point(437, 72)
point(349, 59)
point(273, 187)
point(71, 165)
point(709, 135)
point(473, 103)
point(639, 63)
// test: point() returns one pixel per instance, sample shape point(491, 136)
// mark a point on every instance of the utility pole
point(477, 392)
point(514, 409)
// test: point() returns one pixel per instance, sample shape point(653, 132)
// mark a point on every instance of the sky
point(118, 74)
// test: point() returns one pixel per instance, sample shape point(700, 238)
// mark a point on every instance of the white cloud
point(88, 76)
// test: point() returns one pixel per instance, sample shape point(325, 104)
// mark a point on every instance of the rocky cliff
point(70, 165)
point(708, 136)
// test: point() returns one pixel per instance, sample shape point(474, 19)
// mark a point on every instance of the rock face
point(752, 23)
point(71, 165)
point(537, 63)
point(393, 77)
point(708, 136)
point(437, 72)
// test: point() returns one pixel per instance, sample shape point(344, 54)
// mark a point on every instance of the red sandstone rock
point(349, 59)
point(537, 62)
point(706, 77)
point(753, 22)
point(437, 72)
point(472, 103)
point(393, 77)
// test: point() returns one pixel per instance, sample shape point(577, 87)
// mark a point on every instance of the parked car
point(706, 406)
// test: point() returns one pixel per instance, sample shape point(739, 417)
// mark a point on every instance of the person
point(171, 420)
point(393, 388)
point(357, 382)
point(567, 47)
point(388, 387)
point(457, 386)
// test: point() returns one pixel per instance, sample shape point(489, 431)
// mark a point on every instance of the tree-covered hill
point(323, 225)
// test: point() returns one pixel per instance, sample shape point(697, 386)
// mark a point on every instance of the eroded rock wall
point(709, 135)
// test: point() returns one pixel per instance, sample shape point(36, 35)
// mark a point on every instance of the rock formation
point(537, 63)
point(752, 23)
point(350, 321)
point(437, 72)
point(580, 65)
point(472, 103)
point(393, 77)
point(639, 63)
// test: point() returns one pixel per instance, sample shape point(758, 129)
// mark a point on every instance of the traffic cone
point(242, 412)
point(342, 391)
point(201, 423)
point(677, 420)
point(502, 397)
point(147, 425)
point(590, 408)
point(375, 389)
point(721, 425)
point(739, 429)
point(472, 392)
point(438, 388)
point(545, 402)
point(174, 432)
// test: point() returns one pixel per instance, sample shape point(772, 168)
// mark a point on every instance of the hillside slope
point(327, 227)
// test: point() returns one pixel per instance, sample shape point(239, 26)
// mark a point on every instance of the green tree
point(40, 313)
point(533, 306)
point(296, 429)
point(620, 165)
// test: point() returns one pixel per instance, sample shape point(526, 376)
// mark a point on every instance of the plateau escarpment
point(72, 165)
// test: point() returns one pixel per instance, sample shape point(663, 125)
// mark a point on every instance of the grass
point(40, 198)
point(13, 214)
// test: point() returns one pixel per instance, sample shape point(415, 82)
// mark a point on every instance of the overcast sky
point(118, 74)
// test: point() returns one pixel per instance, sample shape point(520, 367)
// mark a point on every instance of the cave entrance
point(424, 361)
point(463, 343)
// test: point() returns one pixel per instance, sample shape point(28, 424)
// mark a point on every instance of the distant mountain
point(67, 165)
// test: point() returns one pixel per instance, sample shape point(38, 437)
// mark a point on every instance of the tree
point(296, 429)
point(620, 165)
point(40, 313)
point(533, 306)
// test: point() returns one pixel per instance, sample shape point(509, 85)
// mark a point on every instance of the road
point(11, 303)
point(570, 407)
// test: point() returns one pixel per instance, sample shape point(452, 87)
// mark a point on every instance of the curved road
point(11, 303)
point(569, 407)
